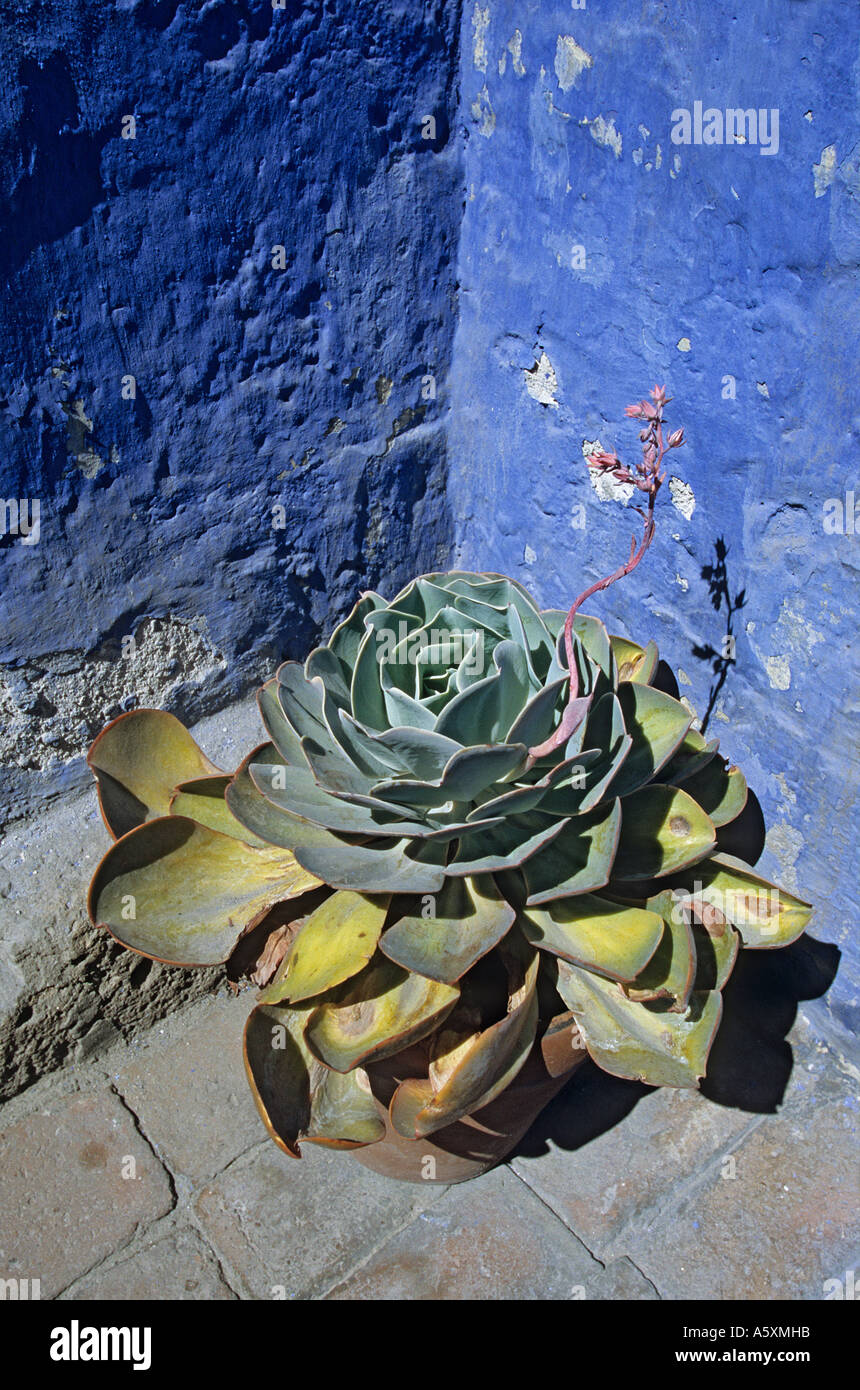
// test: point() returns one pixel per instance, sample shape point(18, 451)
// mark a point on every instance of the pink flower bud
point(633, 412)
point(676, 438)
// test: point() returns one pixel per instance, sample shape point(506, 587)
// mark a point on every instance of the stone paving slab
point(654, 1140)
point(190, 1093)
point(65, 1203)
point(289, 1228)
point(777, 1220)
point(488, 1239)
point(175, 1266)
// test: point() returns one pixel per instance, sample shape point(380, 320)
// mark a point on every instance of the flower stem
point(648, 479)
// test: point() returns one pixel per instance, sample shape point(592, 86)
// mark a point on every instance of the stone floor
point(145, 1173)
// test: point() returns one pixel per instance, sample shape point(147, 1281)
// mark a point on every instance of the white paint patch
point(529, 555)
point(637, 156)
point(604, 133)
point(684, 583)
point(480, 25)
point(515, 48)
point(483, 114)
point(796, 629)
point(807, 115)
point(735, 194)
point(761, 387)
point(684, 345)
point(542, 382)
point(570, 61)
point(683, 678)
point(644, 132)
point(778, 672)
point(824, 173)
point(682, 496)
point(658, 158)
point(608, 488)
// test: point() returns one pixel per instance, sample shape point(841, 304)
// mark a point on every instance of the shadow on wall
point(722, 661)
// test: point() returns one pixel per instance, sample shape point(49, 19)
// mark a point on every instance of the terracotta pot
point(471, 1146)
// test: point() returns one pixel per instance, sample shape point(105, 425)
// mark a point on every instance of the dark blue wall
point(701, 262)
point(300, 127)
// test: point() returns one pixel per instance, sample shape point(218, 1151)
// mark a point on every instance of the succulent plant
point(474, 824)
point(444, 886)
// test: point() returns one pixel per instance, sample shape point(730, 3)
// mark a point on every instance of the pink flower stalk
point(648, 477)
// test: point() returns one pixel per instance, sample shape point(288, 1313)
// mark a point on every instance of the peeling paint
point(51, 710)
point(78, 427)
point(607, 487)
point(529, 555)
point(480, 24)
point(824, 172)
point(778, 672)
point(383, 388)
point(682, 496)
point(542, 382)
point(570, 61)
point(691, 710)
point(684, 583)
point(684, 345)
point(483, 114)
point(789, 796)
point(761, 387)
point(515, 48)
point(785, 843)
point(796, 630)
point(683, 678)
point(603, 133)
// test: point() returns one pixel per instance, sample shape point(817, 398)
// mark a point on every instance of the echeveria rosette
point(462, 893)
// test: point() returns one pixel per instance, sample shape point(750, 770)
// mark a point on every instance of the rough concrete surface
point(66, 989)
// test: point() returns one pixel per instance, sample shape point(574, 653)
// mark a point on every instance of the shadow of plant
point(750, 1062)
point(721, 661)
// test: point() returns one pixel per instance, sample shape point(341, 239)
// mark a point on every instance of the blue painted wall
point(581, 254)
point(596, 247)
point(300, 127)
